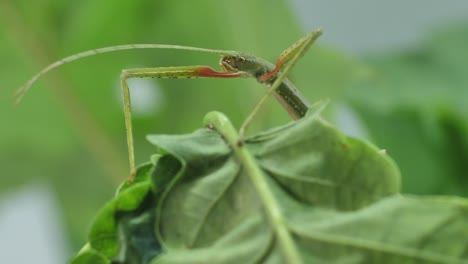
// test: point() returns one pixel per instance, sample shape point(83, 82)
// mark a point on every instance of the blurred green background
point(68, 134)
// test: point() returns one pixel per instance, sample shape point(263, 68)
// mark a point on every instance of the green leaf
point(394, 230)
point(87, 255)
point(369, 235)
point(317, 164)
point(318, 196)
point(127, 211)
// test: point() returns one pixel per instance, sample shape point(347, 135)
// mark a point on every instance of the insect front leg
point(161, 72)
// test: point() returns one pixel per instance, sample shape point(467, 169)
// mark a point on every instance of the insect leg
point(161, 72)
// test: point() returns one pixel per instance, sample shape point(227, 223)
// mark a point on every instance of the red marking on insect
point(206, 71)
point(279, 65)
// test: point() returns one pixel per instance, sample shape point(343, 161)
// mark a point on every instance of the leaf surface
point(196, 203)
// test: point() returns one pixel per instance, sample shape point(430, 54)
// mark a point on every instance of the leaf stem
point(222, 124)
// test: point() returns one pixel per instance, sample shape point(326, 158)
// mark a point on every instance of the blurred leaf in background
point(69, 130)
point(416, 106)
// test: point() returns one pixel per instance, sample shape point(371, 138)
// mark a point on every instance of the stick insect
point(233, 64)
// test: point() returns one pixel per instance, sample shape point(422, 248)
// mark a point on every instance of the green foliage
point(415, 105)
point(199, 202)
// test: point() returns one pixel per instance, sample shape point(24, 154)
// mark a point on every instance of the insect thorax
point(244, 63)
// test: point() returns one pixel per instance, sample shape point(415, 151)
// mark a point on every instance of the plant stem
point(222, 124)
